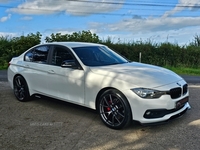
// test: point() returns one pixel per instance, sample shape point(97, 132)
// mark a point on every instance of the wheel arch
point(105, 89)
point(100, 93)
point(18, 74)
point(21, 91)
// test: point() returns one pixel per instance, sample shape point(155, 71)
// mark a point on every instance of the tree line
point(161, 54)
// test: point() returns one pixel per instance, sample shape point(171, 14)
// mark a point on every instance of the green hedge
point(164, 54)
point(12, 47)
point(161, 54)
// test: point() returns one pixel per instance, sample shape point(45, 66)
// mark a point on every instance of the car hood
point(139, 74)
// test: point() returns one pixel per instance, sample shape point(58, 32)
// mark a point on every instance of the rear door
point(36, 68)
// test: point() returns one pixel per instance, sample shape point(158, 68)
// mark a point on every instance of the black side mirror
point(69, 64)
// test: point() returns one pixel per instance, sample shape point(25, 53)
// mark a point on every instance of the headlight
point(148, 93)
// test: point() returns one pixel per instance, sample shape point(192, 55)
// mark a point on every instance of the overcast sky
point(175, 21)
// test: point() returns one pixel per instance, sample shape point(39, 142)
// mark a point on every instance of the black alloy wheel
point(114, 109)
point(21, 90)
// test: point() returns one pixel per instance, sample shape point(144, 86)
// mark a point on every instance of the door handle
point(26, 66)
point(51, 72)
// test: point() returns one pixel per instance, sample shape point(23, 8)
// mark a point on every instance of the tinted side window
point(38, 54)
point(60, 54)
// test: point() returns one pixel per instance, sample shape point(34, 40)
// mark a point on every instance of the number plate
point(182, 102)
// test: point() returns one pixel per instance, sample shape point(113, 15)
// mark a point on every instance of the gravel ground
point(51, 124)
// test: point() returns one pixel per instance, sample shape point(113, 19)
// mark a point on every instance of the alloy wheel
point(20, 89)
point(112, 110)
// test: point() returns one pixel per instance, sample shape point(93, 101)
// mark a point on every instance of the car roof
point(75, 44)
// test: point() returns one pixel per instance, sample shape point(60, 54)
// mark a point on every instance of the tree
point(83, 36)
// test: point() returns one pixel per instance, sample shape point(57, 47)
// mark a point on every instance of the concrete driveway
point(56, 125)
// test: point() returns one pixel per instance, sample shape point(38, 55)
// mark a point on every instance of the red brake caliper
point(108, 108)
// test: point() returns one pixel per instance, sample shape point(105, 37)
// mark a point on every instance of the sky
point(174, 21)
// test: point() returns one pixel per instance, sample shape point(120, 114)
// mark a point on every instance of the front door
point(65, 83)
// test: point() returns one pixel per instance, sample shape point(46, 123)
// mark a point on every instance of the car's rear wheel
point(114, 109)
point(21, 90)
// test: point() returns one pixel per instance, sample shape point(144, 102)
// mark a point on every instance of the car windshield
point(98, 56)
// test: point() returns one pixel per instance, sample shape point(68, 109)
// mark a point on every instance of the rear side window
point(38, 54)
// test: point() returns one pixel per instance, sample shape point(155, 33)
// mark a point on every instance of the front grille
point(177, 92)
point(185, 89)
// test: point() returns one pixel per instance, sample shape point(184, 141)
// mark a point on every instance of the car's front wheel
point(21, 90)
point(114, 109)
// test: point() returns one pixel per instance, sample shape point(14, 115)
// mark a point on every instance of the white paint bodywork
point(82, 86)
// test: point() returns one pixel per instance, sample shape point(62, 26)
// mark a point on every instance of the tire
point(114, 109)
point(21, 90)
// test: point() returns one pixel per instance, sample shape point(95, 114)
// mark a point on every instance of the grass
point(3, 68)
point(184, 70)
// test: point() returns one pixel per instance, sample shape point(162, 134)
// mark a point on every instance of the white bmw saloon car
point(94, 76)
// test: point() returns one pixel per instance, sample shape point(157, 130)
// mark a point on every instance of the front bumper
point(159, 113)
point(148, 111)
point(171, 118)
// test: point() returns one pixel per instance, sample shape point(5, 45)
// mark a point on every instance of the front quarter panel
point(95, 82)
